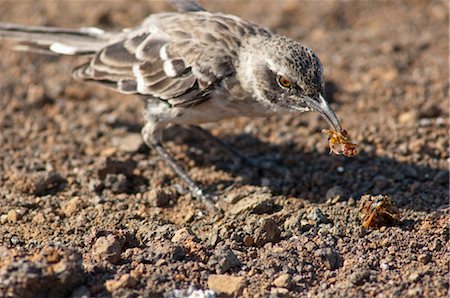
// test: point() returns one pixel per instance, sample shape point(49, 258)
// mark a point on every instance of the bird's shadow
point(288, 170)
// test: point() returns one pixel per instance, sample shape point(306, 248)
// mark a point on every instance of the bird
point(190, 67)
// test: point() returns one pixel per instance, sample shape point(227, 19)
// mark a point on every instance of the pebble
point(257, 204)
point(184, 234)
point(125, 281)
point(268, 231)
point(13, 216)
point(442, 177)
point(129, 143)
point(330, 257)
point(226, 284)
point(360, 276)
point(335, 194)
point(118, 183)
point(317, 216)
point(223, 260)
point(111, 166)
point(413, 277)
point(424, 258)
point(409, 117)
point(283, 281)
point(158, 197)
point(108, 248)
point(71, 207)
point(51, 272)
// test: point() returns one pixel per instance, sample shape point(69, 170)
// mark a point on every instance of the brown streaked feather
point(171, 56)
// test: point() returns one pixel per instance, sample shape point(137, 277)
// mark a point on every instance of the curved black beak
point(321, 106)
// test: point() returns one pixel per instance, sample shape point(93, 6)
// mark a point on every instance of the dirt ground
point(87, 210)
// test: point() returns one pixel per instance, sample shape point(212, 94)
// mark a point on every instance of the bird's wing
point(186, 5)
point(179, 58)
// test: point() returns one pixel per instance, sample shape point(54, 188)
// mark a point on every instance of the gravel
point(88, 211)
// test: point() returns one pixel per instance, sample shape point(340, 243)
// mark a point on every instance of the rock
point(71, 207)
point(42, 183)
point(223, 260)
point(36, 96)
point(409, 117)
point(51, 272)
point(108, 248)
point(184, 234)
point(413, 277)
point(335, 194)
point(257, 204)
point(116, 167)
point(330, 257)
point(442, 177)
point(317, 216)
point(129, 143)
point(267, 232)
point(283, 281)
point(424, 258)
point(158, 197)
point(13, 215)
point(226, 284)
point(117, 183)
point(125, 281)
point(189, 292)
point(359, 277)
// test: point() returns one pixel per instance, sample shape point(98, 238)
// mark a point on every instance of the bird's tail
point(55, 40)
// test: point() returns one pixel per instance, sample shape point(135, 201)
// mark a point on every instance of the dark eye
point(284, 82)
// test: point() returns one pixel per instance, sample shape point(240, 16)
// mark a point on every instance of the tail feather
point(57, 40)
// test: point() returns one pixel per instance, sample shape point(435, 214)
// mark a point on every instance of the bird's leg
point(237, 156)
point(153, 140)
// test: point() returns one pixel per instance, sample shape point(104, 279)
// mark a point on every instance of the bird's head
point(288, 76)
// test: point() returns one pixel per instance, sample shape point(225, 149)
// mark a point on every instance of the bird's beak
point(321, 106)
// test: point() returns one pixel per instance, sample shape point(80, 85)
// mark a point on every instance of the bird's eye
point(284, 82)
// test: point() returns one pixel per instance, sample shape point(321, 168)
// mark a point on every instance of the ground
point(87, 210)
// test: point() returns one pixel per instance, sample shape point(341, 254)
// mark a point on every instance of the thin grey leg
point(197, 192)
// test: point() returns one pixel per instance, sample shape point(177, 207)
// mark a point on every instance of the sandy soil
point(87, 210)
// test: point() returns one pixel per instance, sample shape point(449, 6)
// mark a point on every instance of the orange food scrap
point(340, 143)
point(378, 211)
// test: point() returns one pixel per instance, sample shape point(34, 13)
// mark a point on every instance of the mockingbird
point(192, 67)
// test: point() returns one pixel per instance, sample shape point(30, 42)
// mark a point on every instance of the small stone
point(125, 281)
point(108, 248)
point(248, 241)
point(442, 177)
point(39, 218)
point(158, 197)
point(118, 183)
point(223, 260)
point(257, 204)
point(130, 143)
point(184, 234)
point(283, 281)
point(336, 194)
point(13, 215)
point(71, 207)
point(360, 276)
point(413, 277)
point(116, 167)
point(226, 284)
point(415, 292)
point(317, 216)
point(330, 257)
point(424, 258)
point(267, 232)
point(409, 117)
